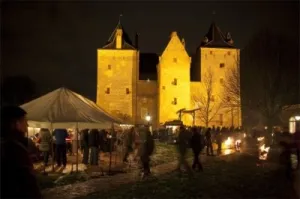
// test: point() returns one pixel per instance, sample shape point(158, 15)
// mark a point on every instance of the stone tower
point(173, 80)
point(117, 75)
point(218, 56)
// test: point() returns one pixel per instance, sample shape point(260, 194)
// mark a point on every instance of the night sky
point(56, 43)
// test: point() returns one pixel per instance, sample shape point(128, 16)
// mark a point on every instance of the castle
point(172, 86)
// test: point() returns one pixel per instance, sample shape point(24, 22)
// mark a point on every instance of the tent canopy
point(63, 108)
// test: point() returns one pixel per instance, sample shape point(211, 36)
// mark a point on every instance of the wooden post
point(77, 147)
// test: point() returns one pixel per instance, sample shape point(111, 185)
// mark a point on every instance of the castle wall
point(217, 62)
point(117, 76)
point(147, 102)
point(173, 80)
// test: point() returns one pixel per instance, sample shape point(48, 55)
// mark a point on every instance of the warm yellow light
point(260, 138)
point(148, 118)
point(297, 117)
point(228, 142)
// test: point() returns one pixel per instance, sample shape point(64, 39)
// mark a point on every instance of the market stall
point(63, 108)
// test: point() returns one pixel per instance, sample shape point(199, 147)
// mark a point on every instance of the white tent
point(63, 108)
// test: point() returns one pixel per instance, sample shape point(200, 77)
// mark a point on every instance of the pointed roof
point(126, 41)
point(63, 106)
point(216, 39)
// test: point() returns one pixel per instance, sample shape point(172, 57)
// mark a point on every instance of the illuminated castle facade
point(131, 84)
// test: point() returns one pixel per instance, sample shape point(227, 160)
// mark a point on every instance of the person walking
point(146, 149)
point(183, 144)
point(197, 147)
point(17, 174)
point(128, 144)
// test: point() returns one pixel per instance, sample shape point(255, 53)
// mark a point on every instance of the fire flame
point(263, 152)
point(228, 142)
point(260, 138)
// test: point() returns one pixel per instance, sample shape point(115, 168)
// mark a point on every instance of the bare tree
point(268, 81)
point(204, 99)
point(232, 88)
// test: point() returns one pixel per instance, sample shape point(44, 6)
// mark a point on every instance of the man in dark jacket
point(146, 149)
point(197, 147)
point(61, 146)
point(17, 175)
point(85, 145)
point(128, 142)
point(183, 144)
point(94, 145)
point(209, 147)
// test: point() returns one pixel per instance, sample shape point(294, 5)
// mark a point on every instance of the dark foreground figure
point(17, 175)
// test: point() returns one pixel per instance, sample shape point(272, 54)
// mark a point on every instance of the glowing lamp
point(148, 118)
point(297, 117)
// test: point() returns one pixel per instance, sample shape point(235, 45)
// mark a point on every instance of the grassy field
point(233, 176)
point(164, 153)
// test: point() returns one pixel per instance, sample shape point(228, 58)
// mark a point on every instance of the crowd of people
point(18, 178)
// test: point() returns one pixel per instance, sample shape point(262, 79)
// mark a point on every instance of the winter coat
point(60, 136)
point(196, 143)
point(45, 140)
point(17, 175)
point(94, 140)
point(146, 145)
point(84, 138)
point(183, 141)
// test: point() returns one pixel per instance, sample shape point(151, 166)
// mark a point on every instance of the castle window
point(205, 56)
point(222, 65)
point(107, 91)
point(109, 67)
point(211, 52)
point(174, 82)
point(163, 87)
point(221, 80)
point(229, 53)
point(127, 91)
point(212, 98)
point(174, 101)
point(221, 119)
point(175, 60)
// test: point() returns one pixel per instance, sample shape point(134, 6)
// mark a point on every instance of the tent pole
point(76, 146)
point(52, 148)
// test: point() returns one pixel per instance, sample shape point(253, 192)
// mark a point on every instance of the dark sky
point(55, 43)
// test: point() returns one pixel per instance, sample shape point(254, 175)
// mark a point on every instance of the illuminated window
point(175, 101)
point(107, 91)
point(174, 81)
point(109, 67)
point(175, 60)
point(127, 91)
point(222, 65)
